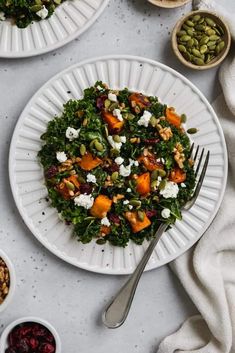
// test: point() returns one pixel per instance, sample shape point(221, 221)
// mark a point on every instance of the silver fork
point(116, 312)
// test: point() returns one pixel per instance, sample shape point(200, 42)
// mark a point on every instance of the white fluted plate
point(69, 20)
point(26, 175)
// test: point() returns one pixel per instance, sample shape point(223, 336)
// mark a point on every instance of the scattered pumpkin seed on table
point(200, 39)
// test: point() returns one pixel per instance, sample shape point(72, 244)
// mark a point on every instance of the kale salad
point(116, 165)
point(24, 12)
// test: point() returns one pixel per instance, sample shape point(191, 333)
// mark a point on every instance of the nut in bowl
point(30, 334)
point(201, 40)
point(7, 281)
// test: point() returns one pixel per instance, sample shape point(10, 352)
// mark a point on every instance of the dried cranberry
point(39, 331)
point(151, 213)
point(100, 101)
point(85, 188)
point(111, 168)
point(51, 172)
point(23, 346)
point(10, 350)
point(33, 342)
point(50, 338)
point(24, 331)
point(151, 141)
point(114, 218)
point(46, 348)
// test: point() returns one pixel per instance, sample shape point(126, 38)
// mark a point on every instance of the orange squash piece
point(74, 179)
point(177, 175)
point(135, 223)
point(101, 206)
point(114, 124)
point(150, 162)
point(89, 162)
point(105, 230)
point(138, 99)
point(172, 117)
point(143, 184)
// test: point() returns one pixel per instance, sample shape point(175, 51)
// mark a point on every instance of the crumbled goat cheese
point(183, 185)
point(2, 16)
point(163, 160)
point(90, 178)
point(72, 133)
point(170, 190)
point(125, 171)
point(132, 162)
point(116, 145)
point(117, 113)
point(61, 157)
point(84, 200)
point(166, 213)
point(105, 222)
point(100, 88)
point(125, 202)
point(128, 190)
point(130, 207)
point(144, 119)
point(43, 12)
point(119, 160)
point(112, 97)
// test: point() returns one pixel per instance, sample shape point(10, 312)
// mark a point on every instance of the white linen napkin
point(207, 272)
point(227, 71)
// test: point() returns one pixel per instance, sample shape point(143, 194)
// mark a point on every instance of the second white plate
point(69, 20)
point(26, 175)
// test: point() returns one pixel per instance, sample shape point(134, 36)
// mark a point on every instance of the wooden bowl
point(226, 38)
point(169, 4)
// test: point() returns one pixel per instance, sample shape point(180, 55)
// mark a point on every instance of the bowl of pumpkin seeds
point(201, 40)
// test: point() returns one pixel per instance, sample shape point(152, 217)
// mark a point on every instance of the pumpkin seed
point(196, 53)
point(113, 106)
point(181, 33)
point(185, 27)
point(214, 37)
point(187, 56)
point(202, 20)
point(183, 118)
point(185, 38)
point(35, 8)
point(203, 49)
point(162, 184)
point(114, 152)
point(156, 198)
point(162, 173)
point(82, 149)
point(153, 120)
point(99, 147)
point(190, 32)
point(210, 22)
point(207, 58)
point(116, 138)
point(114, 176)
point(135, 202)
point(154, 184)
point(212, 48)
point(211, 43)
point(196, 18)
point(219, 47)
point(193, 130)
point(190, 43)
point(128, 116)
point(204, 40)
point(220, 30)
point(81, 179)
point(70, 185)
point(154, 175)
point(198, 61)
point(107, 103)
point(100, 241)
point(210, 32)
point(140, 215)
point(200, 27)
point(182, 49)
point(190, 23)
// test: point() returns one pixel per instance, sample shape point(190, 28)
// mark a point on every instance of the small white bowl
point(12, 286)
point(4, 337)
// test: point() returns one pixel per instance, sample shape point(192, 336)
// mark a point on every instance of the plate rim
point(59, 44)
point(109, 271)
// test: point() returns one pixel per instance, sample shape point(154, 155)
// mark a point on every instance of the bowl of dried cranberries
point(30, 335)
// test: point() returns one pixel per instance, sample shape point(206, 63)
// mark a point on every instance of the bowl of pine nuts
point(7, 280)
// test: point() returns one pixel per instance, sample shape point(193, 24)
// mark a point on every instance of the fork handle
point(116, 312)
